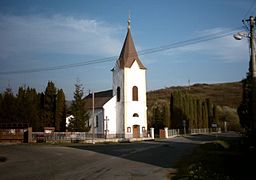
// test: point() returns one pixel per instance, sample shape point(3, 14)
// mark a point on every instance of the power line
point(192, 41)
point(251, 9)
point(66, 66)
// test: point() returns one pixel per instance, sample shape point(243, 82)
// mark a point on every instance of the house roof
point(100, 98)
point(128, 53)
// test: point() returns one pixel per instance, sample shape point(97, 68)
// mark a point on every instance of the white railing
point(199, 131)
point(205, 130)
point(77, 136)
point(173, 132)
point(176, 132)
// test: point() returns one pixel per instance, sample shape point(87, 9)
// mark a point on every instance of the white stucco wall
point(109, 113)
point(118, 81)
point(97, 112)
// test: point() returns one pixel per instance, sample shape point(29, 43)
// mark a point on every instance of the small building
point(122, 111)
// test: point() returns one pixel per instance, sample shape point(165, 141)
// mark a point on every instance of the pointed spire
point(128, 53)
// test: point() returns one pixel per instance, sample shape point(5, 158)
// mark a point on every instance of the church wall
point(118, 81)
point(135, 76)
point(109, 113)
point(97, 113)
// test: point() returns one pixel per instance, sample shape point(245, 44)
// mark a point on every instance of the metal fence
point(173, 132)
point(77, 136)
point(176, 132)
point(204, 130)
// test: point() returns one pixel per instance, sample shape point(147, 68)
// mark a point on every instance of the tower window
point(118, 94)
point(135, 93)
point(135, 115)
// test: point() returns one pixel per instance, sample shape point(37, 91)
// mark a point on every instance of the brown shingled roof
point(128, 53)
point(100, 98)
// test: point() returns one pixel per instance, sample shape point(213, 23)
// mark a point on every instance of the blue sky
point(49, 33)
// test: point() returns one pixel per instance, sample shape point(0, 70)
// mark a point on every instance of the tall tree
point(34, 106)
point(244, 110)
point(50, 104)
point(28, 107)
point(1, 108)
point(60, 113)
point(80, 122)
point(9, 106)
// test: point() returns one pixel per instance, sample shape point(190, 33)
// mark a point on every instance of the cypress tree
point(60, 113)
point(28, 107)
point(1, 108)
point(34, 104)
point(22, 105)
point(50, 104)
point(9, 106)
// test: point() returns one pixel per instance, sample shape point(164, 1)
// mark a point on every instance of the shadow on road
point(164, 153)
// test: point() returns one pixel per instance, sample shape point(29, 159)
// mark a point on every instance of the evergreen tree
point(34, 109)
point(50, 104)
point(196, 112)
point(243, 110)
point(41, 111)
point(60, 113)
point(80, 122)
point(1, 108)
point(28, 107)
point(21, 104)
point(9, 107)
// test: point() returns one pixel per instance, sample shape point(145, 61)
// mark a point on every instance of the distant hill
point(222, 94)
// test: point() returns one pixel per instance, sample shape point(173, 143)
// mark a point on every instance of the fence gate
point(14, 132)
point(162, 133)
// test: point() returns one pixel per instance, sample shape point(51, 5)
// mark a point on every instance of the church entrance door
point(136, 131)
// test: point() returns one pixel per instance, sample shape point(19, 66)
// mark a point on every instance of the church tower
point(129, 88)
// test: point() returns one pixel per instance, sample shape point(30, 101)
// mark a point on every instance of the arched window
point(135, 93)
point(118, 94)
point(135, 115)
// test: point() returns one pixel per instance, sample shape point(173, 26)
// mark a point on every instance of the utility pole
point(252, 46)
point(93, 117)
point(106, 130)
point(251, 77)
point(253, 72)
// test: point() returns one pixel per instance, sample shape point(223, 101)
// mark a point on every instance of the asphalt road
point(142, 160)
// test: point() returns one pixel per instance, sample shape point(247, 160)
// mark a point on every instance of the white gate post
point(166, 132)
point(152, 133)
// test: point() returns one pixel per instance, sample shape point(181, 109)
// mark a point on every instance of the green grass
point(219, 160)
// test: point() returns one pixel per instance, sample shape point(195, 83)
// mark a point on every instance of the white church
point(122, 111)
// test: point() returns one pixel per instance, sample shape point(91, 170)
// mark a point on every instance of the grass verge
point(226, 159)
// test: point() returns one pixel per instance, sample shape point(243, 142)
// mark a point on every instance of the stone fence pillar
point(166, 132)
point(152, 133)
point(30, 135)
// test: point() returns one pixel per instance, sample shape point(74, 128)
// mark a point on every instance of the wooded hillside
point(225, 97)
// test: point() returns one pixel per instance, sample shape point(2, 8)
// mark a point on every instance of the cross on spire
point(129, 20)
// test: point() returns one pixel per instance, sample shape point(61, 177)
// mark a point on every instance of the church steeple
point(128, 53)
